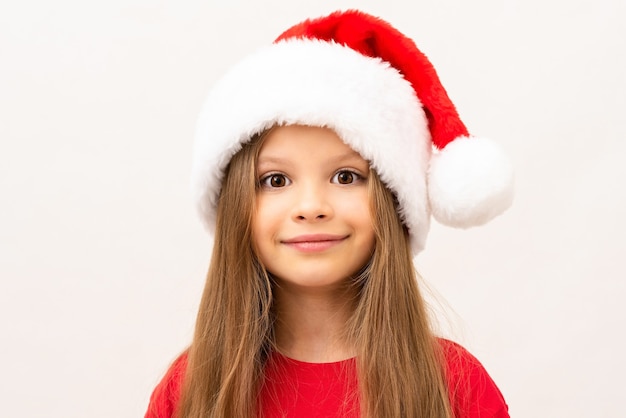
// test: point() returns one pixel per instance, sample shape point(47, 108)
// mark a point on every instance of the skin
point(313, 231)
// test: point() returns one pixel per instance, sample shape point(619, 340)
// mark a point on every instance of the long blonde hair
point(400, 367)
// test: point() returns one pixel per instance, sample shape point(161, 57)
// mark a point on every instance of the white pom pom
point(470, 182)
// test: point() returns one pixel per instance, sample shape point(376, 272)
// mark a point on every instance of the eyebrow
point(347, 156)
point(271, 161)
point(268, 159)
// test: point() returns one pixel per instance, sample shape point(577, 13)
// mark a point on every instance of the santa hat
point(359, 76)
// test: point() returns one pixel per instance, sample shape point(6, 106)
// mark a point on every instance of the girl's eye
point(275, 181)
point(345, 177)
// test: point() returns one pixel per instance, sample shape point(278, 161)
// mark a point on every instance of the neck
point(311, 323)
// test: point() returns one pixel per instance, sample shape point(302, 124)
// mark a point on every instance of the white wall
point(102, 258)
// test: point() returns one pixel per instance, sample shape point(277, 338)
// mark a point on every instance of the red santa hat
point(356, 74)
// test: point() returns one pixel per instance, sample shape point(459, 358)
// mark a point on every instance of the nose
point(312, 204)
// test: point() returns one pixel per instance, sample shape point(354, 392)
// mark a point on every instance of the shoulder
point(165, 396)
point(473, 393)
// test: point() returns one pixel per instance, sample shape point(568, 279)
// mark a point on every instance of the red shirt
point(294, 388)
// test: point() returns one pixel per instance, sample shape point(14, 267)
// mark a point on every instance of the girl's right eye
point(274, 181)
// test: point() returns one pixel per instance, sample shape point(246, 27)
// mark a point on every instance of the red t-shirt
point(294, 388)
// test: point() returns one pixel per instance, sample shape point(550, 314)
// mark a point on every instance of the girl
point(318, 163)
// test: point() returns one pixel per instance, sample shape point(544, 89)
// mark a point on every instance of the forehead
point(305, 142)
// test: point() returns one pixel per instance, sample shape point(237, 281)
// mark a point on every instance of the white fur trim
point(470, 182)
point(364, 100)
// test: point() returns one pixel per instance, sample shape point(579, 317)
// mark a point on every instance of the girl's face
point(312, 226)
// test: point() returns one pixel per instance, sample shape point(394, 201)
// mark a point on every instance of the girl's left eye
point(345, 177)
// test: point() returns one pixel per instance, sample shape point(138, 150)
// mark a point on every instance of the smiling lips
point(314, 243)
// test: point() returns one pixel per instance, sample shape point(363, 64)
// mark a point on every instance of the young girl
point(318, 163)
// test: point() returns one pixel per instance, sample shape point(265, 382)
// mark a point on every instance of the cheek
point(357, 208)
point(264, 223)
point(356, 212)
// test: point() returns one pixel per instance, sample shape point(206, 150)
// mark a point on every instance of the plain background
point(102, 258)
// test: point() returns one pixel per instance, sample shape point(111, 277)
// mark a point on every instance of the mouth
point(315, 242)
